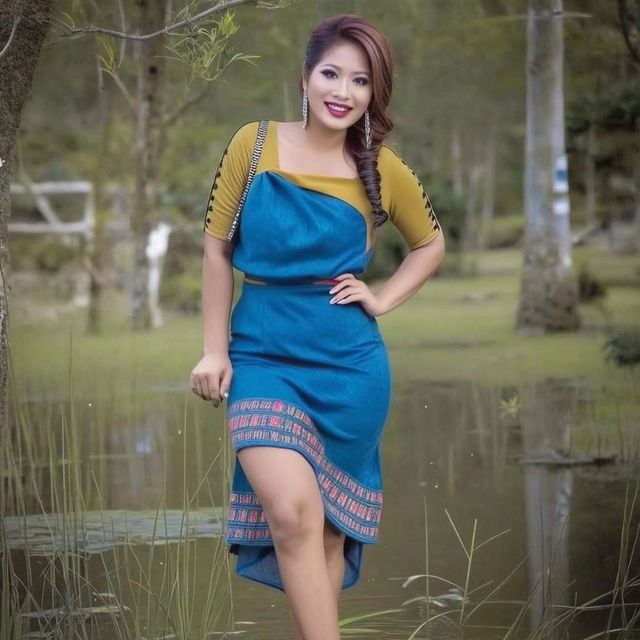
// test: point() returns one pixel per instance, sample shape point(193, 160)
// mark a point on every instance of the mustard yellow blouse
point(403, 195)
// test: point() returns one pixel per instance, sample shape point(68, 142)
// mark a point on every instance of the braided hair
point(352, 28)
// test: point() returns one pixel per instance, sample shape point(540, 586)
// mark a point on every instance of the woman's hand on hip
point(350, 289)
point(211, 377)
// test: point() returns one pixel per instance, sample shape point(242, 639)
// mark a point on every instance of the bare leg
point(287, 488)
point(334, 556)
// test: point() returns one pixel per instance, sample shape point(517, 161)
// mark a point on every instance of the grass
point(555, 619)
point(140, 586)
point(54, 459)
point(452, 329)
point(440, 333)
point(465, 339)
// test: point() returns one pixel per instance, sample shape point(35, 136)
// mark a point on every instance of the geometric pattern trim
point(273, 422)
point(427, 202)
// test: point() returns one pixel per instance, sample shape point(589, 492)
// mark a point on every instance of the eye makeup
point(365, 81)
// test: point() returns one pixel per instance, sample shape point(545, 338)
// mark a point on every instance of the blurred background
point(511, 457)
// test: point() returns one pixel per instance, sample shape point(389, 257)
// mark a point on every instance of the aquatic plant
point(459, 604)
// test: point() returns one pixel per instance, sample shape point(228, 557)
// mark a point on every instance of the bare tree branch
point(16, 21)
point(165, 30)
point(177, 113)
point(507, 17)
point(125, 91)
point(123, 26)
point(96, 274)
point(625, 27)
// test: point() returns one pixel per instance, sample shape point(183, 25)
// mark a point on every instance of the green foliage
point(45, 253)
point(590, 287)
point(185, 247)
point(182, 293)
point(510, 407)
point(389, 251)
point(613, 269)
point(622, 345)
point(205, 51)
point(108, 56)
point(274, 4)
point(450, 210)
point(181, 286)
point(21, 252)
point(616, 108)
point(468, 55)
point(457, 264)
point(506, 231)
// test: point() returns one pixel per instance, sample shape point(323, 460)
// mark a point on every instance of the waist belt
point(256, 281)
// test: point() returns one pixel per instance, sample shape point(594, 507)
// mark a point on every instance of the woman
point(306, 372)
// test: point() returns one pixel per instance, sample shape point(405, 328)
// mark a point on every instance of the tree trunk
point(636, 201)
point(149, 145)
point(97, 250)
point(489, 191)
point(456, 163)
point(546, 413)
point(590, 177)
point(470, 231)
point(17, 66)
point(548, 295)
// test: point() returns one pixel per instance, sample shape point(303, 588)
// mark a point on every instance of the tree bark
point(97, 251)
point(489, 191)
point(470, 231)
point(149, 146)
point(546, 413)
point(636, 200)
point(548, 295)
point(456, 163)
point(17, 66)
point(590, 177)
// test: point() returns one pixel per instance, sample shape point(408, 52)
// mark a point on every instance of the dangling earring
point(367, 128)
point(305, 109)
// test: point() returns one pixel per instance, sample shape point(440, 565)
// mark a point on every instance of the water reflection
point(499, 457)
point(547, 412)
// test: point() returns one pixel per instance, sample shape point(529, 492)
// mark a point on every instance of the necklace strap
point(257, 150)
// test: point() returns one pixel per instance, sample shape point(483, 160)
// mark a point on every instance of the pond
point(519, 522)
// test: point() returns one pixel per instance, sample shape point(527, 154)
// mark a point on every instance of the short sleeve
point(229, 181)
point(409, 207)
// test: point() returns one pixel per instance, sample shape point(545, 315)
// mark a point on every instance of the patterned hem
point(350, 505)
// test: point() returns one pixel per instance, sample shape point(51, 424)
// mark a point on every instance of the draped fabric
point(309, 376)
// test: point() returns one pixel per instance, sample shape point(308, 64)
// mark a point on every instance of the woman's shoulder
point(240, 145)
point(389, 159)
point(245, 134)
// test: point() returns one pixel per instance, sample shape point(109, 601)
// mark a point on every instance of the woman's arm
point(416, 268)
point(211, 377)
point(217, 293)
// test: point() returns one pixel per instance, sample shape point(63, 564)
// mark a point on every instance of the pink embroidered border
point(352, 504)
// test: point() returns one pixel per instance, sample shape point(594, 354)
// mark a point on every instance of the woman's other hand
point(211, 377)
point(350, 289)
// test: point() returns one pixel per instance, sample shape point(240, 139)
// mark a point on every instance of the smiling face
point(339, 86)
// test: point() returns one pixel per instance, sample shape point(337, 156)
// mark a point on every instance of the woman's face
point(341, 79)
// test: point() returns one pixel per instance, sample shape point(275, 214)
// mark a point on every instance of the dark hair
point(357, 30)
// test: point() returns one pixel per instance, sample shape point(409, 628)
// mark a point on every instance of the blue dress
point(308, 375)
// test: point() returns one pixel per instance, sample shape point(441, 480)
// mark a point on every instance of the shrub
point(506, 231)
point(622, 346)
point(590, 287)
point(185, 247)
point(389, 251)
point(51, 254)
point(182, 293)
